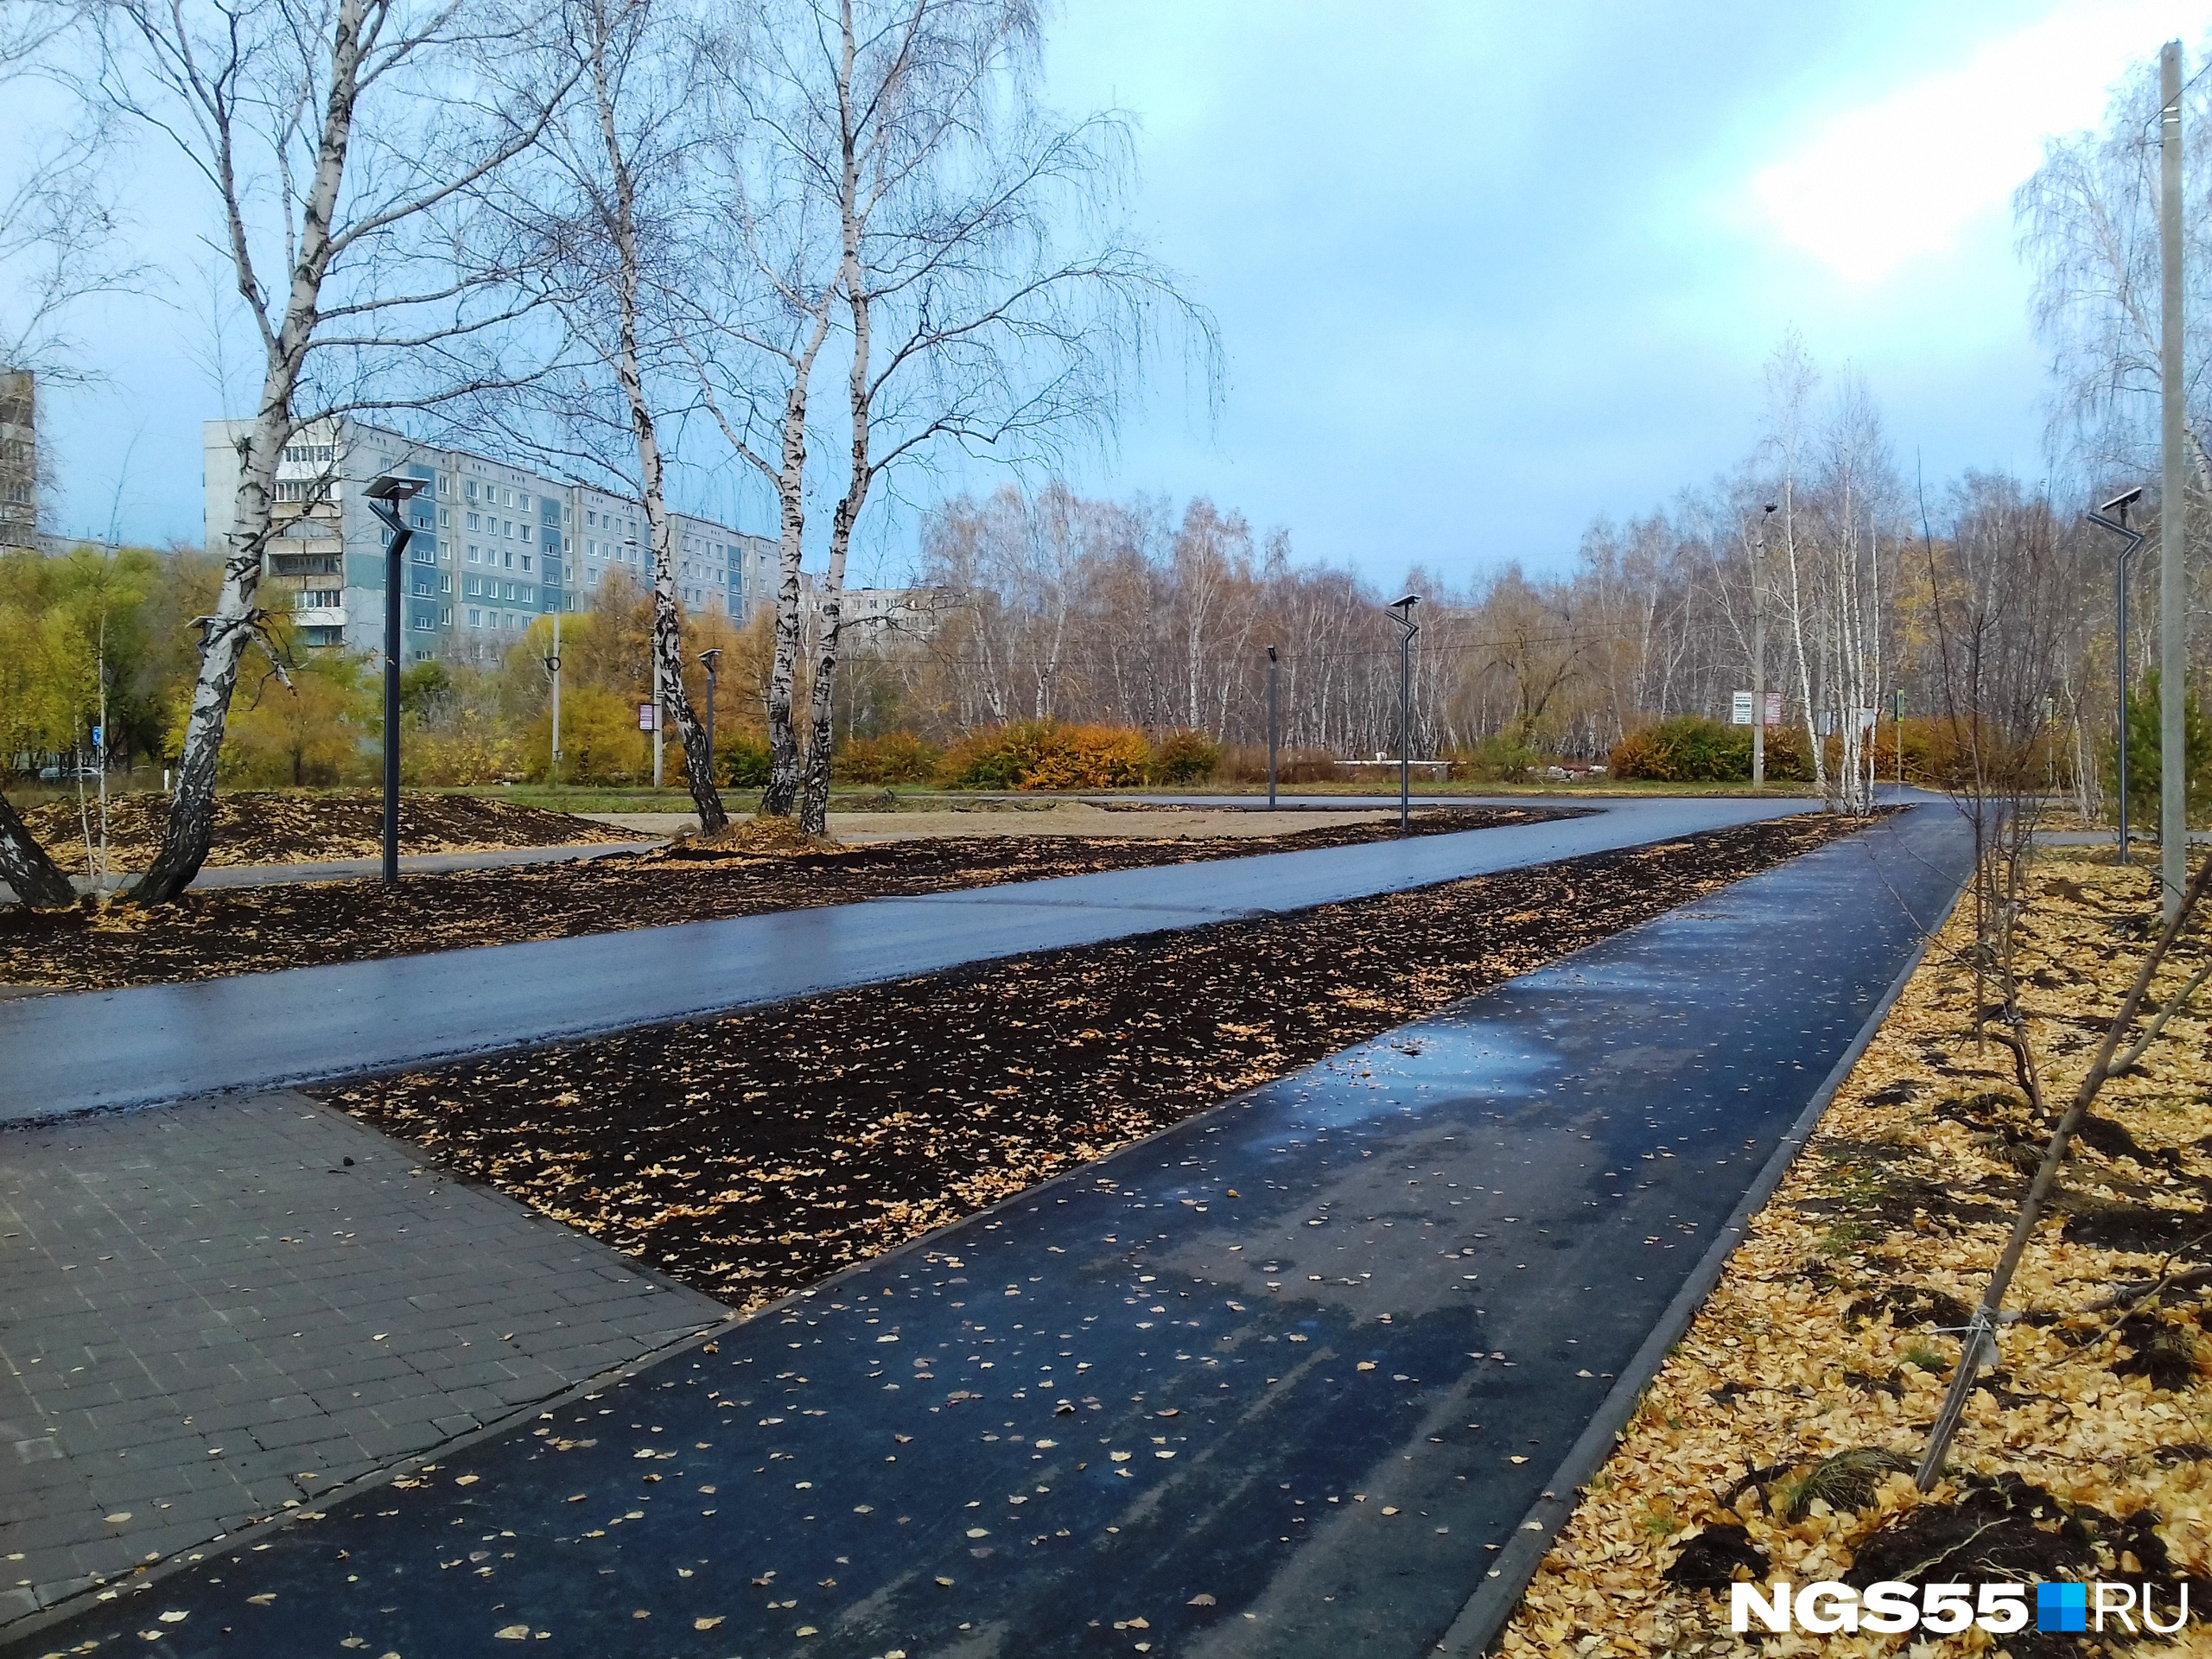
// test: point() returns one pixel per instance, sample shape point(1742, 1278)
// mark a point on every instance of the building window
point(445, 616)
point(445, 514)
point(445, 582)
point(475, 617)
point(526, 561)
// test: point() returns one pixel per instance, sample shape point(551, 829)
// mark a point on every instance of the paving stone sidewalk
point(211, 1313)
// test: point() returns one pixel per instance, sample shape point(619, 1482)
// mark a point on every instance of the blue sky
point(1482, 272)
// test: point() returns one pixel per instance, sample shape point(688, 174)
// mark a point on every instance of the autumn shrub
point(469, 748)
point(1687, 749)
point(894, 757)
point(1184, 757)
point(1090, 757)
point(599, 740)
point(1502, 758)
point(1048, 754)
point(1692, 749)
point(742, 760)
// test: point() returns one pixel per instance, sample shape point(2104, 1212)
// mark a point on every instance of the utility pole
point(1758, 655)
point(2173, 619)
point(1271, 729)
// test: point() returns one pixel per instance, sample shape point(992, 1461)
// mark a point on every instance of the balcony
point(320, 616)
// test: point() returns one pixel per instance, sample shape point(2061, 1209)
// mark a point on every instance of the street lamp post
point(1271, 729)
point(709, 659)
point(553, 668)
point(2113, 516)
point(1401, 612)
point(388, 497)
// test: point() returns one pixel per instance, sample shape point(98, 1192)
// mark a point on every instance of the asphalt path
point(361, 869)
point(90, 1050)
point(1287, 1379)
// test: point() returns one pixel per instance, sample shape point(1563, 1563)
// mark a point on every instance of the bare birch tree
point(338, 140)
point(969, 320)
point(609, 215)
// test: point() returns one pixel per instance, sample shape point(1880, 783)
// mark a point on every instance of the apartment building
point(494, 545)
point(19, 458)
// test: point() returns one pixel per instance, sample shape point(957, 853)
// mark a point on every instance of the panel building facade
point(495, 546)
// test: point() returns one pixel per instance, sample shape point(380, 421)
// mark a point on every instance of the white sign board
point(644, 717)
point(1740, 710)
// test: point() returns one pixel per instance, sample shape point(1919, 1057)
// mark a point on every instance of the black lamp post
point(388, 497)
point(709, 659)
point(2113, 516)
point(1271, 729)
point(1401, 612)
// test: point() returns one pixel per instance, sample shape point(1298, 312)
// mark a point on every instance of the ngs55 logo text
point(1941, 1609)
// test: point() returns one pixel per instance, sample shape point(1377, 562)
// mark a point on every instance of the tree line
point(598, 228)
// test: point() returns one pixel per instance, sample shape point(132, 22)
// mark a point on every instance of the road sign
point(1774, 708)
point(644, 717)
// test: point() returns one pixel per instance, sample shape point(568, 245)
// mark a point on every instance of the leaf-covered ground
point(288, 827)
point(750, 1155)
point(2086, 1454)
point(207, 933)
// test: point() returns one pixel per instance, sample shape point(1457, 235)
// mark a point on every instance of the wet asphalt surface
point(1280, 1380)
point(300, 1025)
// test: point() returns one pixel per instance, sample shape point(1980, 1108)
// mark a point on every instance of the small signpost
point(645, 722)
point(1739, 711)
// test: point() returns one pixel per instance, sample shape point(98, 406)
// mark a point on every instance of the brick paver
point(209, 1313)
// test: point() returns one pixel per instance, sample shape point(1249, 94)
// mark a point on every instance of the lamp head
point(710, 656)
point(2121, 502)
point(1271, 654)
point(392, 487)
point(1405, 602)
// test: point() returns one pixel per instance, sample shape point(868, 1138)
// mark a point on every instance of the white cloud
point(1878, 186)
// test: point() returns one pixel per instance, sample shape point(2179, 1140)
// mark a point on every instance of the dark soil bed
point(208, 933)
point(276, 826)
point(750, 1155)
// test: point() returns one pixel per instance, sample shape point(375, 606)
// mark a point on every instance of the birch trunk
point(814, 807)
point(668, 623)
point(36, 879)
point(233, 626)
